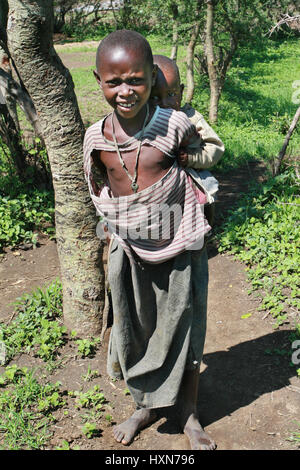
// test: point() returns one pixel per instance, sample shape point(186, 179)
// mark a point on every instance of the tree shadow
point(257, 53)
point(260, 107)
point(236, 377)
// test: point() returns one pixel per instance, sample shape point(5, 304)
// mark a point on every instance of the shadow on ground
point(232, 185)
point(236, 377)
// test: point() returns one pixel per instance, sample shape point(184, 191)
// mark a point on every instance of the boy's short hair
point(125, 38)
point(167, 63)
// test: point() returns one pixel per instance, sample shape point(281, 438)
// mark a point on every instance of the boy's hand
point(182, 156)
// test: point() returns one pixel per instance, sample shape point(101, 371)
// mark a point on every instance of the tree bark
point(11, 138)
point(174, 41)
point(10, 88)
point(190, 82)
point(175, 13)
point(4, 64)
point(51, 88)
point(211, 66)
point(278, 160)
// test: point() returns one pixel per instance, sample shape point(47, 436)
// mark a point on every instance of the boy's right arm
point(94, 170)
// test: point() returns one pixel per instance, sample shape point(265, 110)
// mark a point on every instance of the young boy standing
point(156, 272)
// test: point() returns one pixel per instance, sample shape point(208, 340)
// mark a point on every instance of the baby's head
point(167, 90)
point(125, 71)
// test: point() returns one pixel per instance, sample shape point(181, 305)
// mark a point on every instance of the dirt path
point(247, 400)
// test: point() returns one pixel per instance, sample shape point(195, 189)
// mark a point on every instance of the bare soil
point(248, 400)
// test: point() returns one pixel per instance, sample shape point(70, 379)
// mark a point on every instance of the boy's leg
point(188, 394)
point(187, 404)
point(126, 431)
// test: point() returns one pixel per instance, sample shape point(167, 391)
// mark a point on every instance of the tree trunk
point(4, 64)
point(211, 66)
point(281, 154)
point(11, 89)
point(125, 14)
point(174, 41)
point(51, 88)
point(175, 13)
point(190, 82)
point(11, 138)
point(9, 99)
point(190, 54)
point(214, 101)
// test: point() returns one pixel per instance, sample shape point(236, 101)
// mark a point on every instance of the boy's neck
point(130, 127)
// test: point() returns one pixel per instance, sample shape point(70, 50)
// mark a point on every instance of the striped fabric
point(163, 220)
point(165, 131)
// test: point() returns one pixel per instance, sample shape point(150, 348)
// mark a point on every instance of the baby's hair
point(165, 62)
point(127, 39)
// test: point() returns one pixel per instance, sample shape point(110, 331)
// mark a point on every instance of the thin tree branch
point(281, 154)
point(292, 22)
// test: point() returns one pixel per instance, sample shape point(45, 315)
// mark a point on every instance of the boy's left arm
point(187, 146)
point(203, 152)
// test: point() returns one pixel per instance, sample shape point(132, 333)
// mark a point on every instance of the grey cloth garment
point(159, 323)
point(206, 181)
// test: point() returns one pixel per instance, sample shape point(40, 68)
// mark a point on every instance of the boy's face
point(167, 90)
point(126, 80)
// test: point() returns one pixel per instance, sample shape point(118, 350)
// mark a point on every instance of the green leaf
point(246, 315)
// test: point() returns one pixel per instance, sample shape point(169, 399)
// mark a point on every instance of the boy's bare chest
point(152, 164)
point(150, 160)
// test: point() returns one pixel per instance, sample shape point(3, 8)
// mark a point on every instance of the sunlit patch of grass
point(256, 106)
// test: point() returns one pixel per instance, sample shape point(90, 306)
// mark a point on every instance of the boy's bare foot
point(199, 439)
point(126, 431)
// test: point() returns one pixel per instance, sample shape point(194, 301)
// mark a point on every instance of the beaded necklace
point(134, 185)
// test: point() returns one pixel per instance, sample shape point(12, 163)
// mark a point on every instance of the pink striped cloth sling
point(163, 220)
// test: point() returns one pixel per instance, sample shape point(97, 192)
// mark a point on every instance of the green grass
point(256, 106)
point(70, 49)
point(37, 325)
point(24, 209)
point(28, 403)
point(260, 231)
point(91, 103)
point(26, 408)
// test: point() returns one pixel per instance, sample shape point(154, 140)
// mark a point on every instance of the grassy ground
point(256, 107)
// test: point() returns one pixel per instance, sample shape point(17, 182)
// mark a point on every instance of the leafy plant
point(51, 401)
point(90, 375)
point(22, 216)
point(66, 446)
point(36, 326)
point(87, 347)
point(24, 422)
point(109, 418)
point(91, 430)
point(93, 398)
point(259, 232)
